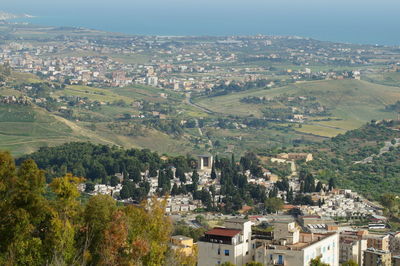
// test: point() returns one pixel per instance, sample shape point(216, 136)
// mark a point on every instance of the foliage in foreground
point(59, 230)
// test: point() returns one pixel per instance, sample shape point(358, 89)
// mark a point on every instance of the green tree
point(350, 263)
point(273, 205)
point(317, 262)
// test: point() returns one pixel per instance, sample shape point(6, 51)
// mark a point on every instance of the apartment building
point(232, 243)
point(375, 257)
point(289, 247)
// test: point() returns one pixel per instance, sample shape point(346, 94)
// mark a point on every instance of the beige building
point(375, 257)
point(380, 242)
point(232, 244)
point(352, 246)
point(396, 260)
point(182, 244)
point(352, 250)
point(394, 243)
point(289, 247)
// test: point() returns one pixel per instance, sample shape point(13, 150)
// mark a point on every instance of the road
point(189, 102)
point(385, 149)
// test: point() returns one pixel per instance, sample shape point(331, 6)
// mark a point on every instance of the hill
point(366, 159)
point(349, 103)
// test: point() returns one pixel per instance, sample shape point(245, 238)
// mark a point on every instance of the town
point(338, 226)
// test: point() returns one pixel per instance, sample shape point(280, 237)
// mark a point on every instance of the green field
point(23, 129)
point(351, 103)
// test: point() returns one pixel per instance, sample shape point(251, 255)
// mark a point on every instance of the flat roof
point(223, 232)
point(181, 237)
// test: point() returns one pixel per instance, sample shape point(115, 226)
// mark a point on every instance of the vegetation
point(341, 159)
point(59, 230)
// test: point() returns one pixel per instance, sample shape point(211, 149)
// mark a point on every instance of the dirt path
point(82, 131)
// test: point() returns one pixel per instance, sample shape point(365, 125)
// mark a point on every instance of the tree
point(273, 205)
point(317, 262)
point(318, 188)
point(180, 173)
point(227, 263)
point(97, 216)
point(213, 172)
point(114, 181)
point(135, 175)
point(114, 240)
point(195, 177)
point(89, 187)
point(332, 183)
point(62, 231)
point(125, 192)
point(253, 263)
point(350, 263)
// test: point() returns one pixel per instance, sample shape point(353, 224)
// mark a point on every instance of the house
point(376, 257)
point(290, 247)
point(231, 243)
point(182, 244)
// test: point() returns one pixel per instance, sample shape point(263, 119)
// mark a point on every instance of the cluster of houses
point(285, 240)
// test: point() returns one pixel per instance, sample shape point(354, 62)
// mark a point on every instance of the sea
point(351, 21)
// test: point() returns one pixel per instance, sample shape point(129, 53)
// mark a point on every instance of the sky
point(367, 21)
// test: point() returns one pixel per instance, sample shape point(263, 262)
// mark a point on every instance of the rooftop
point(223, 232)
point(180, 237)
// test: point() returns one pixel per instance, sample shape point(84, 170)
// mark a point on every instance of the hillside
point(350, 103)
point(366, 159)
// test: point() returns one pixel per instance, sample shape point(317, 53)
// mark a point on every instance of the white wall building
point(230, 244)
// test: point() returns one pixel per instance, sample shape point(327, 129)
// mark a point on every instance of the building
point(182, 244)
point(380, 242)
point(233, 244)
point(352, 250)
point(152, 81)
point(204, 162)
point(394, 242)
point(396, 260)
point(290, 247)
point(375, 257)
point(352, 246)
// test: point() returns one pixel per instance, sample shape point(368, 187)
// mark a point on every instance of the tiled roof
point(223, 232)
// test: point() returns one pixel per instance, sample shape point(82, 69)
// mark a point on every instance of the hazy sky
point(344, 20)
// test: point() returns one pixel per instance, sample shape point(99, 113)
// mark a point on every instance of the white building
point(289, 247)
point(230, 244)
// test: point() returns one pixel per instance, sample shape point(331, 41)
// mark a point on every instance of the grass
point(23, 129)
point(352, 102)
point(94, 94)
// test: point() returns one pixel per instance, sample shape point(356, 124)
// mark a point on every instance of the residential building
point(380, 242)
point(182, 244)
point(352, 246)
point(290, 247)
point(396, 260)
point(352, 250)
point(394, 242)
point(232, 244)
point(375, 257)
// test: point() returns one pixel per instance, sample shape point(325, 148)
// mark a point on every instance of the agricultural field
point(23, 129)
point(351, 103)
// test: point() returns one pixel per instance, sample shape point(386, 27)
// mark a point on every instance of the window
point(219, 251)
point(218, 262)
point(226, 252)
point(247, 253)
